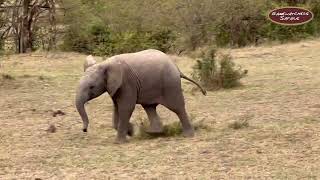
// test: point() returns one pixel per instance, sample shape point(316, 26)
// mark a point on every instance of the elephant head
point(98, 78)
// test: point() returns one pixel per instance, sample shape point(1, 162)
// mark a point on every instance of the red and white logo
point(290, 16)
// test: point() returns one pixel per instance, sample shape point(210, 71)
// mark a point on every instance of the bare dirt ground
point(280, 99)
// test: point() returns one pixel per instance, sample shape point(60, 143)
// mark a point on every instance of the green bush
point(239, 23)
point(170, 130)
point(276, 32)
point(245, 23)
point(77, 40)
point(162, 39)
point(115, 27)
point(131, 42)
point(216, 74)
point(7, 77)
point(239, 124)
point(94, 39)
point(100, 40)
point(315, 8)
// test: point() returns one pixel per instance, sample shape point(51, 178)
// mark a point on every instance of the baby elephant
point(147, 77)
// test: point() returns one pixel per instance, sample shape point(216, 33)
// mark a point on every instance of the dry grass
point(281, 99)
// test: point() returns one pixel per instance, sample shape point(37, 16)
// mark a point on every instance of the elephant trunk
point(80, 107)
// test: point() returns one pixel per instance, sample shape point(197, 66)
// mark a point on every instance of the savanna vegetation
point(107, 27)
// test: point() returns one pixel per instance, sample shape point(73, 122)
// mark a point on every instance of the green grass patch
point(239, 124)
point(7, 77)
point(216, 73)
point(173, 129)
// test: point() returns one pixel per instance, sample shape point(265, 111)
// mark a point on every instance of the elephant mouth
point(91, 96)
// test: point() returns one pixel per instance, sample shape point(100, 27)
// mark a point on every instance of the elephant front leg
point(124, 127)
point(115, 121)
point(155, 123)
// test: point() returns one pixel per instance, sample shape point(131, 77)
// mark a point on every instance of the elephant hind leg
point(188, 130)
point(115, 116)
point(155, 123)
point(177, 105)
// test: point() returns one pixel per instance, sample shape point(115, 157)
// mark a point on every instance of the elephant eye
point(91, 87)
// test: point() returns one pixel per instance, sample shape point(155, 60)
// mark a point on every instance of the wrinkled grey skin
point(147, 77)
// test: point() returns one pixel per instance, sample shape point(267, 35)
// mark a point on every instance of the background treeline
point(106, 27)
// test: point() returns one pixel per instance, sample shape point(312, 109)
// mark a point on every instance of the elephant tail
point(204, 92)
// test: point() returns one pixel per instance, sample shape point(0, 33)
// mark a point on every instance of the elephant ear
point(90, 61)
point(114, 77)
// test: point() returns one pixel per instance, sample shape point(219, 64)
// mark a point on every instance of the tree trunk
point(25, 37)
point(53, 29)
point(24, 16)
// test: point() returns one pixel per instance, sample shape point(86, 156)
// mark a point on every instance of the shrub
point(242, 122)
point(229, 73)
point(315, 8)
point(102, 28)
point(239, 124)
point(276, 32)
point(8, 77)
point(76, 40)
point(163, 39)
point(131, 42)
point(245, 23)
point(216, 74)
point(94, 39)
point(239, 23)
point(170, 130)
point(99, 40)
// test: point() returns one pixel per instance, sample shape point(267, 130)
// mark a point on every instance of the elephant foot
point(155, 130)
point(188, 133)
point(130, 130)
point(120, 140)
